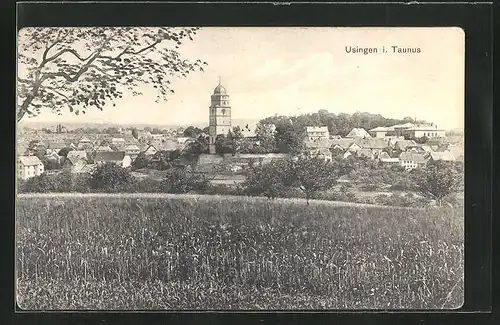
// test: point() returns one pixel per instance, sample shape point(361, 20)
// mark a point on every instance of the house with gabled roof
point(103, 148)
point(118, 157)
point(341, 144)
point(55, 145)
point(410, 160)
point(374, 144)
point(358, 133)
point(53, 156)
point(118, 141)
point(442, 155)
point(385, 159)
point(353, 147)
point(403, 144)
point(85, 140)
point(29, 166)
point(150, 151)
point(319, 148)
point(132, 150)
point(364, 153)
point(76, 154)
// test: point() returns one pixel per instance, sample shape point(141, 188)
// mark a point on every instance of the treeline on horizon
point(338, 124)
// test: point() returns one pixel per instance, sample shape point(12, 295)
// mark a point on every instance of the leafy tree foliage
point(194, 149)
point(290, 130)
point(141, 161)
point(37, 149)
point(312, 174)
point(192, 132)
point(78, 68)
point(110, 177)
point(135, 134)
point(265, 136)
point(180, 180)
point(50, 164)
point(111, 130)
point(237, 133)
point(271, 180)
point(44, 183)
point(64, 152)
point(438, 180)
point(224, 144)
point(163, 160)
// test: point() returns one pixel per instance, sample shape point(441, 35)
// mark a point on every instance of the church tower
point(219, 115)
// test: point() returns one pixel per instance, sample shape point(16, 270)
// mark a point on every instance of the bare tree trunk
point(24, 107)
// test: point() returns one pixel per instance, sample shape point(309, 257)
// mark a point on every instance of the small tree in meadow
point(271, 180)
point(313, 174)
point(110, 177)
point(179, 180)
point(438, 180)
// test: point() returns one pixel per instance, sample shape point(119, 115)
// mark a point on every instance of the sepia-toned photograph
point(240, 168)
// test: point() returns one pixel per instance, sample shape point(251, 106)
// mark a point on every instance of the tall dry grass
point(188, 252)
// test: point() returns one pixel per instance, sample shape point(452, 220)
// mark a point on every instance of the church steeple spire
point(220, 83)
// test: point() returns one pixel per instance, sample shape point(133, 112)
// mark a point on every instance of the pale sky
point(292, 71)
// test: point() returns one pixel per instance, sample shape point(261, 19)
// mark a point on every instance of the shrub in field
point(224, 190)
point(201, 252)
point(60, 182)
point(402, 200)
point(80, 183)
point(110, 177)
point(337, 195)
point(438, 180)
point(312, 174)
point(405, 184)
point(179, 180)
point(146, 185)
point(271, 180)
point(371, 187)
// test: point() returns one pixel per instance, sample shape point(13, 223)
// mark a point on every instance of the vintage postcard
point(243, 168)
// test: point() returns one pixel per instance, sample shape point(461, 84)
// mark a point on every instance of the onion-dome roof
point(220, 89)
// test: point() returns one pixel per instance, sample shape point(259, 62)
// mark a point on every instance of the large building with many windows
point(219, 115)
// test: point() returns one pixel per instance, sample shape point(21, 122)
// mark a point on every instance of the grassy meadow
point(160, 251)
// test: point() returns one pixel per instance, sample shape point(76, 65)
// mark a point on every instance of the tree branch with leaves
point(78, 68)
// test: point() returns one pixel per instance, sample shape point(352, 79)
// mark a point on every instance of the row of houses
point(408, 130)
point(79, 158)
point(390, 149)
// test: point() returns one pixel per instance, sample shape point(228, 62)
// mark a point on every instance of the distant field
point(164, 251)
